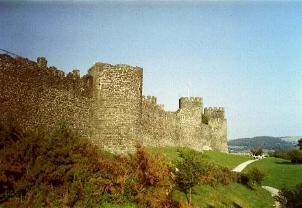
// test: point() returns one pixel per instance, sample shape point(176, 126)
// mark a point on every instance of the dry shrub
point(55, 169)
point(223, 175)
point(215, 174)
point(150, 179)
point(185, 205)
point(60, 169)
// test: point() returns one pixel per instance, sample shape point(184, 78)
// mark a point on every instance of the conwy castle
point(106, 105)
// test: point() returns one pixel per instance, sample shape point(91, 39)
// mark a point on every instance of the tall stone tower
point(118, 105)
point(217, 128)
point(189, 118)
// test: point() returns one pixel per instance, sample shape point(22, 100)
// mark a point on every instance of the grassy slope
point(233, 195)
point(278, 172)
point(223, 159)
point(222, 196)
point(227, 160)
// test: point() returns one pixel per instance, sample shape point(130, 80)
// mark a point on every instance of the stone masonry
point(106, 105)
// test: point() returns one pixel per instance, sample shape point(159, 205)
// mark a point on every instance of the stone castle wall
point(106, 105)
point(34, 95)
point(159, 128)
point(189, 126)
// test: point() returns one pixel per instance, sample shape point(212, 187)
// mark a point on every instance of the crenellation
point(190, 103)
point(214, 112)
point(150, 99)
point(42, 62)
point(74, 74)
point(106, 66)
point(106, 105)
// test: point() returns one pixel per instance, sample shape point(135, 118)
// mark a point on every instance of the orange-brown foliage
point(61, 169)
point(151, 185)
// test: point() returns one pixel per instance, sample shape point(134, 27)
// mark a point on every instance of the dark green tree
point(257, 151)
point(295, 156)
point(300, 144)
point(188, 169)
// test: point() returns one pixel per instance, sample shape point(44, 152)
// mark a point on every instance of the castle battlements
point(106, 105)
point(190, 103)
point(42, 63)
point(214, 112)
point(106, 66)
point(74, 74)
point(150, 99)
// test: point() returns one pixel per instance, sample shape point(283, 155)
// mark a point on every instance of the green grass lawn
point(233, 195)
point(279, 173)
point(225, 159)
point(220, 158)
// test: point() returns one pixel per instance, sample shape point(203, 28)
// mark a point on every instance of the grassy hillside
point(224, 159)
point(233, 195)
point(279, 173)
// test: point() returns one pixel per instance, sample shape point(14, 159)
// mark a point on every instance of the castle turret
point(216, 127)
point(191, 103)
point(189, 121)
point(214, 112)
point(118, 96)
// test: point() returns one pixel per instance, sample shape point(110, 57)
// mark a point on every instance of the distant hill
point(292, 139)
point(264, 142)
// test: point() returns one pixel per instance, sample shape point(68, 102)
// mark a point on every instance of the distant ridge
point(264, 142)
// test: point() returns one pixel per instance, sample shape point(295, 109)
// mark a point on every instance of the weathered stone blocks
point(105, 105)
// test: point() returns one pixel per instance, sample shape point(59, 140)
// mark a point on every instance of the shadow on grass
point(287, 163)
point(234, 205)
point(283, 162)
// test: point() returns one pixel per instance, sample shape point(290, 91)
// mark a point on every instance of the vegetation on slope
point(291, 198)
point(59, 168)
point(232, 195)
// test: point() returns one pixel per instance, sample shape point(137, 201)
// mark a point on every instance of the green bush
point(290, 198)
point(300, 144)
point(256, 175)
point(256, 151)
point(243, 179)
point(295, 156)
point(252, 177)
point(188, 170)
point(283, 154)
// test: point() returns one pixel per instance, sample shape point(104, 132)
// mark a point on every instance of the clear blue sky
point(246, 57)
